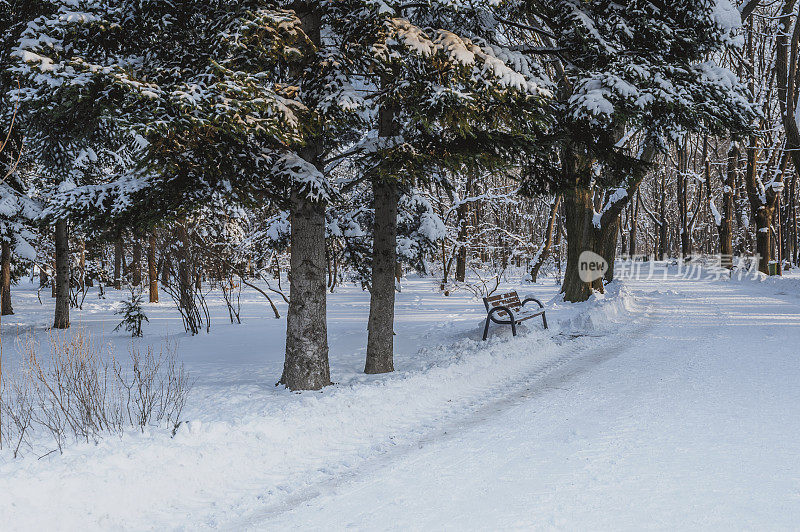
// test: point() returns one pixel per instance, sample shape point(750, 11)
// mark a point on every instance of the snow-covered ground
point(666, 403)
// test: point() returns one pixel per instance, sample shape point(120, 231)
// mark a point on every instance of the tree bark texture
point(61, 320)
point(380, 340)
point(183, 256)
point(386, 195)
point(582, 236)
point(762, 207)
point(5, 275)
point(306, 366)
point(725, 227)
point(463, 232)
point(82, 264)
point(152, 273)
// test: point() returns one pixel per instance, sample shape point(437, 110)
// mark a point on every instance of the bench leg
point(486, 328)
point(513, 328)
point(544, 320)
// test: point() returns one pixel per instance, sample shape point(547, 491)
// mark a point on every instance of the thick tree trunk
point(306, 365)
point(5, 276)
point(136, 275)
point(118, 263)
point(152, 273)
point(582, 236)
point(61, 320)
point(548, 239)
point(380, 341)
point(587, 232)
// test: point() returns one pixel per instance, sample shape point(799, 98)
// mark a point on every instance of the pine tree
point(240, 98)
point(17, 209)
point(631, 78)
point(132, 313)
point(444, 94)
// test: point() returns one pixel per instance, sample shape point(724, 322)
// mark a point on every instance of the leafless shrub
point(82, 392)
point(191, 303)
point(231, 292)
point(482, 283)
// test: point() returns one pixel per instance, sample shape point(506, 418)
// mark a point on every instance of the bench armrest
point(498, 309)
point(527, 299)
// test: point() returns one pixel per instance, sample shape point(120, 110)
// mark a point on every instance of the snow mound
point(602, 313)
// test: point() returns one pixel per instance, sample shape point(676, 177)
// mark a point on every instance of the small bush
point(82, 392)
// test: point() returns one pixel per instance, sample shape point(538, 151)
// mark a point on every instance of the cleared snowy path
point(695, 423)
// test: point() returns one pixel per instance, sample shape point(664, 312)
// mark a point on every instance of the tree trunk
point(386, 195)
point(581, 236)
point(634, 227)
point(152, 273)
point(608, 244)
point(183, 257)
point(5, 275)
point(588, 232)
point(548, 239)
point(683, 202)
point(762, 207)
point(461, 261)
point(61, 320)
point(726, 223)
point(166, 268)
point(306, 365)
point(136, 275)
point(82, 264)
point(118, 263)
point(791, 222)
point(463, 232)
point(380, 341)
point(662, 214)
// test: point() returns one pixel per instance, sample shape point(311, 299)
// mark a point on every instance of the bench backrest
point(510, 300)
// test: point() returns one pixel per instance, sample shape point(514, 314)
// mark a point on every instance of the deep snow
point(665, 403)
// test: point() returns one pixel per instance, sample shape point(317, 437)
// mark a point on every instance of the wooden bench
point(510, 311)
